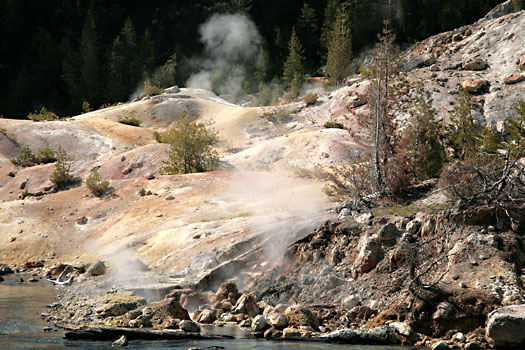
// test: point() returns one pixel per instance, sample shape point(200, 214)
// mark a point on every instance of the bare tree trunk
point(377, 129)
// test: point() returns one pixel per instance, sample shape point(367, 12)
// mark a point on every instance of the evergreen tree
point(330, 15)
point(90, 69)
point(340, 49)
point(147, 53)
point(518, 5)
point(462, 132)
point(123, 63)
point(293, 67)
point(164, 76)
point(240, 6)
point(308, 34)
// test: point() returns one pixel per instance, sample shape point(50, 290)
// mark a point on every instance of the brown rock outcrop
point(475, 64)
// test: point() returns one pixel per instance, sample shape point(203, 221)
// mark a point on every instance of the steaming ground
point(256, 193)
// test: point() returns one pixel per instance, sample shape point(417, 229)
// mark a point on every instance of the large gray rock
point(370, 253)
point(506, 327)
point(97, 269)
point(203, 261)
point(501, 10)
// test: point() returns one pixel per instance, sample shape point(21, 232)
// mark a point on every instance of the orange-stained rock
point(518, 78)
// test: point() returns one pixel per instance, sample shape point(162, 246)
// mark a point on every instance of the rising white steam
point(231, 47)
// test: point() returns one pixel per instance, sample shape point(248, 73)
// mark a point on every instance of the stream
point(22, 327)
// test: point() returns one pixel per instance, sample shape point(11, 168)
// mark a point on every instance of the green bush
point(191, 148)
point(151, 90)
point(43, 115)
point(86, 107)
point(129, 119)
point(61, 176)
point(95, 184)
point(45, 156)
point(333, 125)
point(25, 158)
point(310, 99)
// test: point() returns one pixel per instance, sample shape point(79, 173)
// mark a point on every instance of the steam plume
point(231, 46)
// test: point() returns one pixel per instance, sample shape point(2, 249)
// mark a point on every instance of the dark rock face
point(505, 327)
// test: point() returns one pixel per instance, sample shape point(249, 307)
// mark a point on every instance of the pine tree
point(518, 5)
point(164, 76)
point(124, 70)
point(147, 53)
point(330, 16)
point(340, 49)
point(293, 67)
point(308, 34)
point(90, 66)
point(462, 132)
point(240, 6)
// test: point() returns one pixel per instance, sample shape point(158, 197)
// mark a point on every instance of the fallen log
point(107, 333)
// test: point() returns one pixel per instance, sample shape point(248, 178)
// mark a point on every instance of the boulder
point(169, 308)
point(505, 327)
point(475, 86)
point(428, 227)
point(514, 79)
point(277, 320)
point(259, 323)
point(501, 10)
point(298, 316)
point(96, 269)
point(441, 345)
point(356, 100)
point(413, 227)
point(246, 305)
point(118, 308)
point(207, 316)
point(405, 330)
point(5, 269)
point(370, 253)
point(418, 61)
point(227, 291)
point(474, 64)
point(350, 302)
point(291, 333)
point(189, 326)
point(272, 333)
point(388, 234)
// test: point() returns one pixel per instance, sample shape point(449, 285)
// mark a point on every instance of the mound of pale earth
point(176, 218)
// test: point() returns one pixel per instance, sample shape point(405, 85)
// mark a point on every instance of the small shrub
point(43, 115)
point(45, 156)
point(25, 158)
point(62, 176)
point(310, 99)
point(151, 90)
point(278, 116)
point(157, 137)
point(95, 184)
point(333, 125)
point(129, 119)
point(86, 107)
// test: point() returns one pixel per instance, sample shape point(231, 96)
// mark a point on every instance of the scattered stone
point(96, 269)
point(473, 346)
point(142, 192)
point(475, 86)
point(122, 341)
point(207, 316)
point(277, 320)
point(291, 333)
point(388, 234)
point(300, 316)
point(189, 326)
point(259, 323)
point(123, 158)
point(170, 198)
point(413, 227)
point(246, 305)
point(475, 64)
point(455, 277)
point(491, 228)
point(172, 90)
point(460, 337)
point(462, 285)
point(405, 330)
point(150, 177)
point(441, 345)
point(13, 238)
point(11, 174)
point(82, 220)
point(350, 302)
point(272, 333)
point(370, 253)
point(514, 79)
